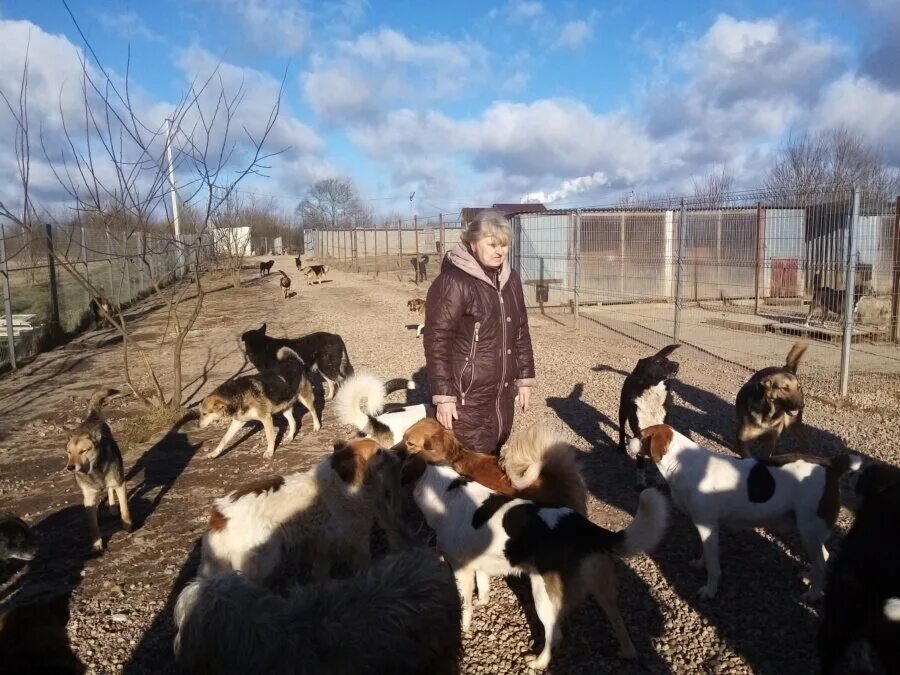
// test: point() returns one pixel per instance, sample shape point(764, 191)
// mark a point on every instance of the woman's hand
point(523, 397)
point(446, 413)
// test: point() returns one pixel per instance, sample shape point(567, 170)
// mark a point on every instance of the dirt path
point(121, 605)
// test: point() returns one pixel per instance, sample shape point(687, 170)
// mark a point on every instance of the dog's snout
point(70, 467)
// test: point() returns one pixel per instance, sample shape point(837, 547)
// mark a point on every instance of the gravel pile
point(122, 600)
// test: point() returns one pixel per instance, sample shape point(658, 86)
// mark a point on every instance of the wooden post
point(895, 285)
point(416, 229)
point(54, 289)
point(760, 253)
point(7, 301)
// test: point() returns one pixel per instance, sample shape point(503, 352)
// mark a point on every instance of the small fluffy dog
point(418, 306)
point(315, 273)
point(265, 268)
point(319, 516)
point(362, 403)
point(399, 616)
point(420, 267)
point(285, 283)
point(536, 464)
point(324, 353)
point(16, 539)
point(646, 394)
point(259, 397)
point(864, 577)
point(831, 300)
point(33, 639)
point(712, 488)
point(93, 455)
point(770, 402)
point(567, 557)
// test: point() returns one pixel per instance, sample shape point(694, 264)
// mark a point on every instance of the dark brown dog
point(770, 402)
point(557, 481)
point(416, 305)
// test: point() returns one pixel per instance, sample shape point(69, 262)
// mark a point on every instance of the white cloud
point(271, 26)
point(128, 25)
point(525, 9)
point(576, 33)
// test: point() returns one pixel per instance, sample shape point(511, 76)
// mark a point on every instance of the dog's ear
point(262, 329)
point(658, 437)
point(767, 383)
point(343, 462)
point(665, 351)
point(412, 469)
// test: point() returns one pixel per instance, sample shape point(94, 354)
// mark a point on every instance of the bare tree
point(331, 203)
point(711, 191)
point(114, 170)
point(828, 160)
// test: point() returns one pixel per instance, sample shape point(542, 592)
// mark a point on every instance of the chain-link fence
point(390, 250)
point(43, 300)
point(741, 279)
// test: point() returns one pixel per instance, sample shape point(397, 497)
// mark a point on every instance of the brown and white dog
point(713, 488)
point(315, 273)
point(770, 402)
point(417, 306)
point(537, 464)
point(318, 516)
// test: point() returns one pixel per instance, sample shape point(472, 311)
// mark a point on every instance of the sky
point(468, 103)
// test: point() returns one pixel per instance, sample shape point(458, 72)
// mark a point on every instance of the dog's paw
point(708, 592)
point(97, 546)
point(539, 662)
point(269, 453)
point(466, 620)
point(316, 427)
point(481, 600)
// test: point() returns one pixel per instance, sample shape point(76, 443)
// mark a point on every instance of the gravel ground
point(122, 600)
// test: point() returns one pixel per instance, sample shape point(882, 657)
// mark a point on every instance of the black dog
point(865, 574)
point(266, 267)
point(420, 267)
point(646, 395)
point(297, 262)
point(321, 352)
point(33, 639)
point(830, 300)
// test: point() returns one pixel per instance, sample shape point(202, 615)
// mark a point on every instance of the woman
point(477, 345)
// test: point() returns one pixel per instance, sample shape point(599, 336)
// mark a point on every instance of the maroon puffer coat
point(477, 347)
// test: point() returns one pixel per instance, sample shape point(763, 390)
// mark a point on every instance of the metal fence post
point(849, 287)
point(895, 278)
point(441, 225)
point(87, 271)
point(7, 301)
point(416, 228)
point(760, 239)
point(109, 267)
point(400, 244)
point(54, 289)
point(679, 273)
point(577, 304)
point(127, 262)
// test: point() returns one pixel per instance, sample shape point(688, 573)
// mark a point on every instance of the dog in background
point(285, 283)
point(362, 404)
point(417, 306)
point(770, 402)
point(399, 616)
point(320, 516)
point(259, 397)
point(864, 578)
point(712, 488)
point(420, 267)
point(536, 464)
point(100, 309)
point(827, 300)
point(324, 353)
point(33, 639)
point(93, 456)
point(298, 263)
point(315, 273)
point(265, 268)
point(647, 394)
point(16, 539)
point(567, 557)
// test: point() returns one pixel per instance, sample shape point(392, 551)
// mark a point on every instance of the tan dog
point(417, 305)
point(537, 464)
point(770, 402)
point(315, 273)
point(285, 284)
point(94, 457)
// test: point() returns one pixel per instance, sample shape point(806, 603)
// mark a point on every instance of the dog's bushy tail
point(542, 452)
point(794, 356)
point(360, 397)
point(892, 609)
point(648, 526)
point(97, 399)
point(399, 384)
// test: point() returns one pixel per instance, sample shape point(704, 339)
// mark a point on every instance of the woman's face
point(490, 252)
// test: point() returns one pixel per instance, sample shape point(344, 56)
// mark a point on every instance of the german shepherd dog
point(418, 306)
point(420, 267)
point(770, 402)
point(315, 273)
point(285, 283)
point(259, 397)
point(322, 352)
point(94, 457)
point(829, 300)
point(266, 267)
point(16, 539)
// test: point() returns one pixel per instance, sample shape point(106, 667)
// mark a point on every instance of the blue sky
point(471, 102)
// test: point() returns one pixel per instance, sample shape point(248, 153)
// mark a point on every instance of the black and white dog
point(864, 582)
point(482, 533)
point(321, 352)
point(362, 403)
point(646, 394)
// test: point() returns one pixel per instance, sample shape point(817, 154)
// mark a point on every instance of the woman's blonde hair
point(488, 223)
